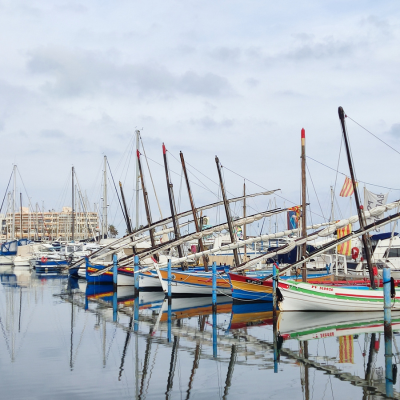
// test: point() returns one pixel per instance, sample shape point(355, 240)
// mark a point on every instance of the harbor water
point(64, 339)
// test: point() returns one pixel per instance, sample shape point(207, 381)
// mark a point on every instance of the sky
point(234, 79)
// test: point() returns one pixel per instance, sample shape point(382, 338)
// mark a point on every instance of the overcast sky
point(228, 78)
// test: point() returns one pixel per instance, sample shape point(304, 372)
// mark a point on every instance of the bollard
point(214, 317)
point(136, 271)
point(115, 270)
point(388, 331)
point(169, 279)
point(115, 306)
point(214, 284)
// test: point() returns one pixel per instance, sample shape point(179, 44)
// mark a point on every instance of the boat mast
point(146, 200)
point(137, 179)
point(20, 219)
point(194, 211)
point(304, 203)
point(104, 229)
point(244, 216)
point(13, 203)
point(365, 237)
point(172, 201)
point(73, 207)
point(228, 213)
point(126, 215)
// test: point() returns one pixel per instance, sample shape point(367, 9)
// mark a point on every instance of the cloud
point(73, 73)
point(52, 134)
point(210, 123)
point(395, 130)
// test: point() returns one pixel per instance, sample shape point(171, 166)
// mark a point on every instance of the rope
point(151, 177)
point(5, 194)
point(388, 145)
point(333, 169)
point(309, 173)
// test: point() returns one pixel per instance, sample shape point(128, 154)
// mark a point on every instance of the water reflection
point(93, 341)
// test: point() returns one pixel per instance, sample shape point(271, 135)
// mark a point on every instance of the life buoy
point(355, 251)
point(43, 260)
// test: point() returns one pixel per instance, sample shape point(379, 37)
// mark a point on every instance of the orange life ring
point(43, 260)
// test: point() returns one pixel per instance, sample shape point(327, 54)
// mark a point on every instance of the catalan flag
point(346, 349)
point(347, 189)
point(344, 248)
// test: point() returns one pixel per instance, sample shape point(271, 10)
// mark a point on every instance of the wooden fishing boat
point(247, 287)
point(301, 296)
point(195, 283)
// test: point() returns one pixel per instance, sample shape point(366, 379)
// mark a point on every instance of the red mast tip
point(164, 150)
point(303, 133)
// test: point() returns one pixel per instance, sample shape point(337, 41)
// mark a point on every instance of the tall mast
point(332, 204)
point(194, 211)
point(304, 203)
point(13, 203)
point(73, 207)
point(20, 218)
point(146, 200)
point(228, 213)
point(126, 214)
point(244, 216)
point(172, 201)
point(137, 179)
point(104, 228)
point(365, 237)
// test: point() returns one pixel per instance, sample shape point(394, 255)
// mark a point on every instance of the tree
point(113, 231)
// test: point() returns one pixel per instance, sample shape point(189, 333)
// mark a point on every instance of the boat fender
point(279, 296)
point(394, 373)
point(355, 251)
point(280, 342)
point(392, 288)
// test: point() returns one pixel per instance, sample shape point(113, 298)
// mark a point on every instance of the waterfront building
point(50, 225)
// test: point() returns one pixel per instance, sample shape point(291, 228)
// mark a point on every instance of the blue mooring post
point(136, 270)
point(214, 284)
point(274, 288)
point(275, 272)
point(169, 279)
point(214, 317)
point(115, 271)
point(388, 331)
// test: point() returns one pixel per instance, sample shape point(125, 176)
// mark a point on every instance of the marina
point(199, 200)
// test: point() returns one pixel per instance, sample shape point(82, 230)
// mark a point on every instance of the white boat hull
point(298, 296)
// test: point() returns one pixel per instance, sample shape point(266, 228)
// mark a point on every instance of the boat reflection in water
point(185, 348)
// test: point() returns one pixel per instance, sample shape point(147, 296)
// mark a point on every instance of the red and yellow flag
point(344, 248)
point(346, 349)
point(347, 189)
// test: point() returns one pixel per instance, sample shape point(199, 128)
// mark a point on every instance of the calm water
point(59, 340)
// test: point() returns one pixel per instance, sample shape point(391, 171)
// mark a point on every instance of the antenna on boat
point(365, 236)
